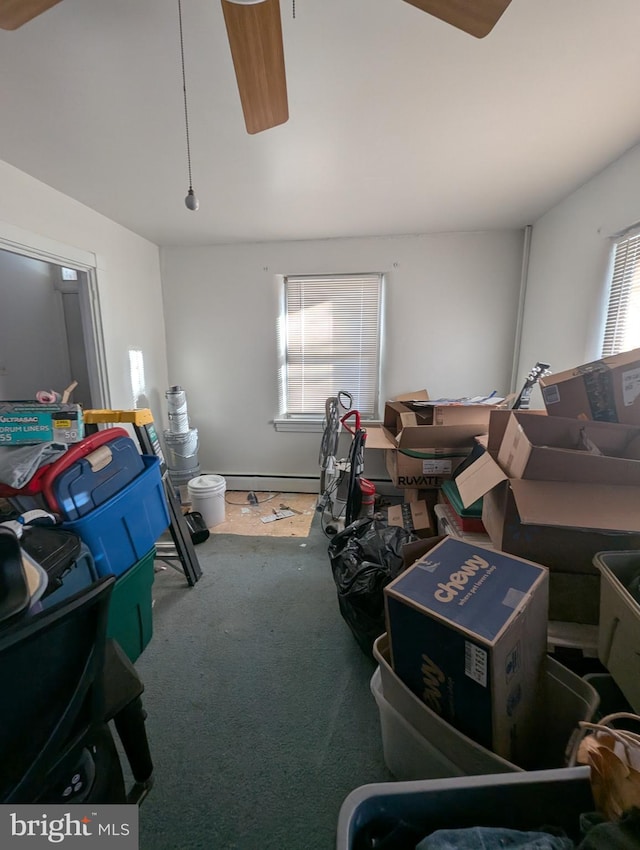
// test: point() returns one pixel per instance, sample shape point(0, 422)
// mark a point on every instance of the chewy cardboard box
point(467, 630)
point(606, 390)
point(413, 517)
point(555, 448)
point(30, 422)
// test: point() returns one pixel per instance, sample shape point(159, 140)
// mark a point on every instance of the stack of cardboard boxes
point(558, 488)
point(557, 491)
point(424, 442)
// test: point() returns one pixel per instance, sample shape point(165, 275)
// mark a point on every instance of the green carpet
point(260, 716)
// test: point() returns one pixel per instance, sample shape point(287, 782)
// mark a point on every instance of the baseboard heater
point(289, 483)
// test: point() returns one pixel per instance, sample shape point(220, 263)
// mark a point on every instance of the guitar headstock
point(540, 370)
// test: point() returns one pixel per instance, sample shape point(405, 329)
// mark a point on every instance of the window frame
point(313, 422)
point(620, 285)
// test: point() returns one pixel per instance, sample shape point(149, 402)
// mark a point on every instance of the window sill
point(307, 426)
point(311, 426)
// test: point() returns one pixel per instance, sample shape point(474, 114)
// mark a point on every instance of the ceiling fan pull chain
point(191, 201)
point(294, 8)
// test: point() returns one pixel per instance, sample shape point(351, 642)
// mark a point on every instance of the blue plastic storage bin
point(122, 531)
point(92, 480)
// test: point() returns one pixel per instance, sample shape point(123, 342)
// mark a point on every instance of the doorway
point(49, 330)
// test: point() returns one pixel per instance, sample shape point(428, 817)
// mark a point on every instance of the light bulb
point(191, 202)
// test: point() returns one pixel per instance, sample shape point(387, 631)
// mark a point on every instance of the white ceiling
point(398, 122)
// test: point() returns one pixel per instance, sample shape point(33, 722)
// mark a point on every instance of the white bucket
point(207, 497)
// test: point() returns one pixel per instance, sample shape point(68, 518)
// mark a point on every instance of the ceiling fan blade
point(255, 39)
point(15, 13)
point(477, 17)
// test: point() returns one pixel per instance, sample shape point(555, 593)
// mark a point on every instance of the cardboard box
point(413, 517)
point(468, 635)
point(573, 597)
point(561, 524)
point(428, 495)
point(30, 422)
point(606, 390)
point(553, 448)
point(498, 421)
point(424, 456)
point(423, 469)
point(416, 409)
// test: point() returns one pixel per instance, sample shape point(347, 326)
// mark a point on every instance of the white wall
point(449, 324)
point(128, 276)
point(570, 252)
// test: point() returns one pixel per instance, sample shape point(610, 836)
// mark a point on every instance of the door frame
point(19, 241)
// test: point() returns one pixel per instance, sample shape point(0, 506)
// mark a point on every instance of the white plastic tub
point(619, 631)
point(419, 744)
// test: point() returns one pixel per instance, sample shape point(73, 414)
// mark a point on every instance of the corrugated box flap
point(602, 507)
point(418, 395)
point(476, 480)
point(438, 436)
point(378, 438)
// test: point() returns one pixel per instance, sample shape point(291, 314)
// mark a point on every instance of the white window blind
point(622, 328)
point(330, 342)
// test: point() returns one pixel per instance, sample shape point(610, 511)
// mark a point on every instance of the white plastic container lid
point(206, 484)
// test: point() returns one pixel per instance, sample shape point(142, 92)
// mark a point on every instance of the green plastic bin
point(131, 609)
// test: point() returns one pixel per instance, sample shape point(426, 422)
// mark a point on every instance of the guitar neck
point(522, 402)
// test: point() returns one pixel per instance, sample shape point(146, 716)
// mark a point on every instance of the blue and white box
point(26, 422)
point(468, 635)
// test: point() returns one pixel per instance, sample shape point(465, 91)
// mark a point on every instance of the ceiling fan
point(254, 30)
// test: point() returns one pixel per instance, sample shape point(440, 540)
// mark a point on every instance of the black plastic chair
point(61, 682)
point(14, 592)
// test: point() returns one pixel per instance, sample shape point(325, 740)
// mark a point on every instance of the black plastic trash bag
point(365, 557)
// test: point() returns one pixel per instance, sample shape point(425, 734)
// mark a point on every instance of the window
point(622, 328)
point(329, 341)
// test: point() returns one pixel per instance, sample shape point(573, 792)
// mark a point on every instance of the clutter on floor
point(257, 513)
point(515, 534)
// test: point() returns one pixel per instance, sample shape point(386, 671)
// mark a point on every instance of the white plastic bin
point(407, 753)
point(419, 744)
point(619, 631)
